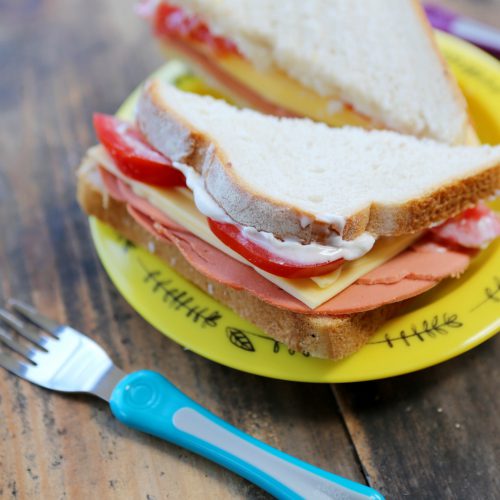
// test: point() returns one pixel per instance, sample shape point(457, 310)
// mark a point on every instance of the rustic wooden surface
point(432, 434)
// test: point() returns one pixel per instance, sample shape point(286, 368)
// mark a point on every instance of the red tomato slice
point(170, 20)
point(231, 235)
point(133, 155)
point(473, 228)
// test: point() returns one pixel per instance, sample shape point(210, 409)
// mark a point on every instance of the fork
point(69, 361)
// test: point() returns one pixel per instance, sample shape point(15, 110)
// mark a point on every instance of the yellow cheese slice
point(277, 88)
point(383, 250)
point(179, 206)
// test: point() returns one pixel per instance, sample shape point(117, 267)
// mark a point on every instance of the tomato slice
point(473, 228)
point(170, 20)
point(133, 155)
point(232, 236)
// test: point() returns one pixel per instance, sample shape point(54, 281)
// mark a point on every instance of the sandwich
point(366, 63)
point(315, 234)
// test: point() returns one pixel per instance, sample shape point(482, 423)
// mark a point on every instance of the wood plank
point(61, 61)
point(430, 434)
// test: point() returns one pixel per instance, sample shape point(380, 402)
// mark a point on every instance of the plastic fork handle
point(147, 401)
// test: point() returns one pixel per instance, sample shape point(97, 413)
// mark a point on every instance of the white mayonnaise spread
point(288, 249)
point(202, 198)
point(312, 253)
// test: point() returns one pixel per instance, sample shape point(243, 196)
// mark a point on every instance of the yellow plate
point(451, 319)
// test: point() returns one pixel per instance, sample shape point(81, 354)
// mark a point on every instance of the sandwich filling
point(411, 273)
point(133, 169)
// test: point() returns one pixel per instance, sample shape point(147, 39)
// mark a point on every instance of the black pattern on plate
point(242, 339)
point(428, 330)
point(178, 298)
point(492, 293)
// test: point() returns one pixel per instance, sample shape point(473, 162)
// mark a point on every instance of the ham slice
point(418, 264)
point(407, 275)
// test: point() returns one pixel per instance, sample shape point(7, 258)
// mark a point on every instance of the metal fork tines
point(65, 360)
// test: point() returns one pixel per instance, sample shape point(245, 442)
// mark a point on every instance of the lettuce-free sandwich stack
point(315, 234)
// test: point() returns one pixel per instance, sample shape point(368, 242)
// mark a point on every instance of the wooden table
point(432, 434)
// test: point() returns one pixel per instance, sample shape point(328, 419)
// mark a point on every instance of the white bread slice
point(331, 337)
point(295, 177)
point(377, 55)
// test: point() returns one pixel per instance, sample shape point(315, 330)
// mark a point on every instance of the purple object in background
point(480, 34)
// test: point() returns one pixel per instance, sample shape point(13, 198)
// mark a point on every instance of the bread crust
point(160, 124)
point(321, 336)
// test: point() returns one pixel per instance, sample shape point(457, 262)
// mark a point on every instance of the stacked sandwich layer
point(182, 129)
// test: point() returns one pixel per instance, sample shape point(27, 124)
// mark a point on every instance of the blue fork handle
point(147, 401)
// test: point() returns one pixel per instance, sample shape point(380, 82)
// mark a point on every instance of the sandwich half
point(315, 234)
point(366, 63)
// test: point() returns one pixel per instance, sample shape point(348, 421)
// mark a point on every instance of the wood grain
point(432, 434)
